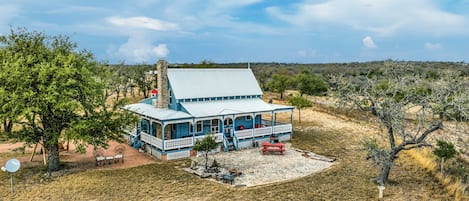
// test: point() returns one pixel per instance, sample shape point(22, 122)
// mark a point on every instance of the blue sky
point(307, 31)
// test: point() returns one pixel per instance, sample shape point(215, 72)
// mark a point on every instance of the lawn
point(348, 179)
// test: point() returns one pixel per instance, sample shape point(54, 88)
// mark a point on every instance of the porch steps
point(230, 143)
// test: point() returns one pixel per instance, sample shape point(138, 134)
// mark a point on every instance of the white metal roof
point(156, 113)
point(228, 107)
point(203, 83)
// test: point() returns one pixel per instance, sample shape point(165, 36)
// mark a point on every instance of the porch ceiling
point(230, 107)
point(156, 113)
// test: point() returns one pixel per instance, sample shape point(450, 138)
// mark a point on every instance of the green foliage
point(279, 83)
point(205, 145)
point(54, 89)
point(299, 102)
point(444, 149)
point(310, 84)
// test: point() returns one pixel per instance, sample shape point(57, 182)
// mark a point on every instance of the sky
point(225, 31)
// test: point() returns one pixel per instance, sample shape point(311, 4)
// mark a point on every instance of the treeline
point(311, 79)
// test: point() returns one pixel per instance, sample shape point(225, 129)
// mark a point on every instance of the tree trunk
point(442, 165)
point(7, 126)
point(206, 160)
point(299, 115)
point(383, 175)
point(53, 159)
point(281, 95)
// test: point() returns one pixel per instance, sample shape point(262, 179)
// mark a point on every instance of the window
point(145, 126)
point(228, 122)
point(198, 128)
point(191, 128)
point(173, 127)
point(154, 128)
point(214, 127)
point(248, 118)
point(170, 97)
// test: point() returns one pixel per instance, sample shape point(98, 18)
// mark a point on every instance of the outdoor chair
point(119, 153)
point(99, 156)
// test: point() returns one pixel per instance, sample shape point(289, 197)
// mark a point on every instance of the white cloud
point(161, 50)
point(383, 17)
point(307, 53)
point(139, 48)
point(368, 42)
point(143, 22)
point(432, 46)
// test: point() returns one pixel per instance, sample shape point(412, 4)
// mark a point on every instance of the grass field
point(348, 179)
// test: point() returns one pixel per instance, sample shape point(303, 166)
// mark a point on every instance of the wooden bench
point(275, 147)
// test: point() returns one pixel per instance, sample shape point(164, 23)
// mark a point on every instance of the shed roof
point(203, 83)
point(229, 107)
point(156, 113)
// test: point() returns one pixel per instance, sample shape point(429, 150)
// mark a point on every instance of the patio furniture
point(99, 157)
point(228, 178)
point(119, 153)
point(273, 147)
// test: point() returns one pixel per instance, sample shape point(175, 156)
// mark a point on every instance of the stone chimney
point(162, 82)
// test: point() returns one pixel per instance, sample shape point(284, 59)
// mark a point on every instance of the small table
point(109, 159)
point(273, 147)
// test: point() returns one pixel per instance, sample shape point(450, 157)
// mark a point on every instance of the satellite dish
point(12, 165)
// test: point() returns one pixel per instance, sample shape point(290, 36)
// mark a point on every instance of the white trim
point(197, 126)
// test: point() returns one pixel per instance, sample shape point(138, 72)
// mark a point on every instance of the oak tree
point(52, 89)
point(408, 106)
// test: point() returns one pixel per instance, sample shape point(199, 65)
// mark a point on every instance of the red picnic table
point(273, 147)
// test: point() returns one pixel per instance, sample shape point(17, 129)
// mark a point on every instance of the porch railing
point(218, 137)
point(248, 133)
point(262, 131)
point(282, 128)
point(243, 134)
point(178, 143)
point(151, 140)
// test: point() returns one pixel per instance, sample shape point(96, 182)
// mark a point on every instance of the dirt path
point(76, 161)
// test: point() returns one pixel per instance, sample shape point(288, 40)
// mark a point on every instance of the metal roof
point(229, 107)
point(204, 83)
point(156, 113)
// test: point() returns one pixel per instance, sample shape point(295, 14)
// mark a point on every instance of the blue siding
point(258, 119)
point(183, 130)
point(241, 121)
point(175, 105)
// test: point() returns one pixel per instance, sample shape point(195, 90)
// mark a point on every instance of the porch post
point(273, 122)
point(193, 131)
point(222, 123)
point(234, 126)
point(253, 124)
point(162, 137)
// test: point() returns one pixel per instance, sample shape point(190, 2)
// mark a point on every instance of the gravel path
point(258, 169)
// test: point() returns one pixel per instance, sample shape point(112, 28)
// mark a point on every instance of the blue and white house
point(192, 103)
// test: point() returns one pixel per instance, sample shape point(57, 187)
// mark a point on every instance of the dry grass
point(424, 158)
point(348, 179)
